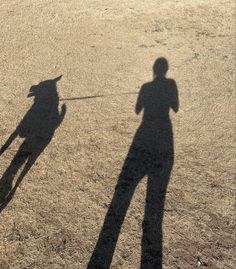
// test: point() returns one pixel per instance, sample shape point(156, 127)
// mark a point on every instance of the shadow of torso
point(152, 146)
point(41, 120)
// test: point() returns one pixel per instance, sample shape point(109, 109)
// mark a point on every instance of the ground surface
point(109, 47)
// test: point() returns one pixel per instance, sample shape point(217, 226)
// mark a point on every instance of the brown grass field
point(117, 163)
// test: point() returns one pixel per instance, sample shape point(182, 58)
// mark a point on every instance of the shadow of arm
point(140, 102)
point(175, 97)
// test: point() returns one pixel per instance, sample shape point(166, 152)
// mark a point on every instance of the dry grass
point(102, 47)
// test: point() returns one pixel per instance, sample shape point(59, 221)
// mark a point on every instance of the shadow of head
point(44, 87)
point(160, 67)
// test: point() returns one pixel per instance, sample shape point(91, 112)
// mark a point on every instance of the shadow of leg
point(153, 217)
point(19, 159)
point(27, 167)
point(152, 227)
point(8, 176)
point(134, 169)
point(105, 247)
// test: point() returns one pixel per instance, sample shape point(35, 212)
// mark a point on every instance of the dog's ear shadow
point(58, 78)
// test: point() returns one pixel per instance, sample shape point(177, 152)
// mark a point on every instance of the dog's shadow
point(37, 128)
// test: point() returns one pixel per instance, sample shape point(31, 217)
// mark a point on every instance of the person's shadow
point(151, 154)
point(37, 128)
